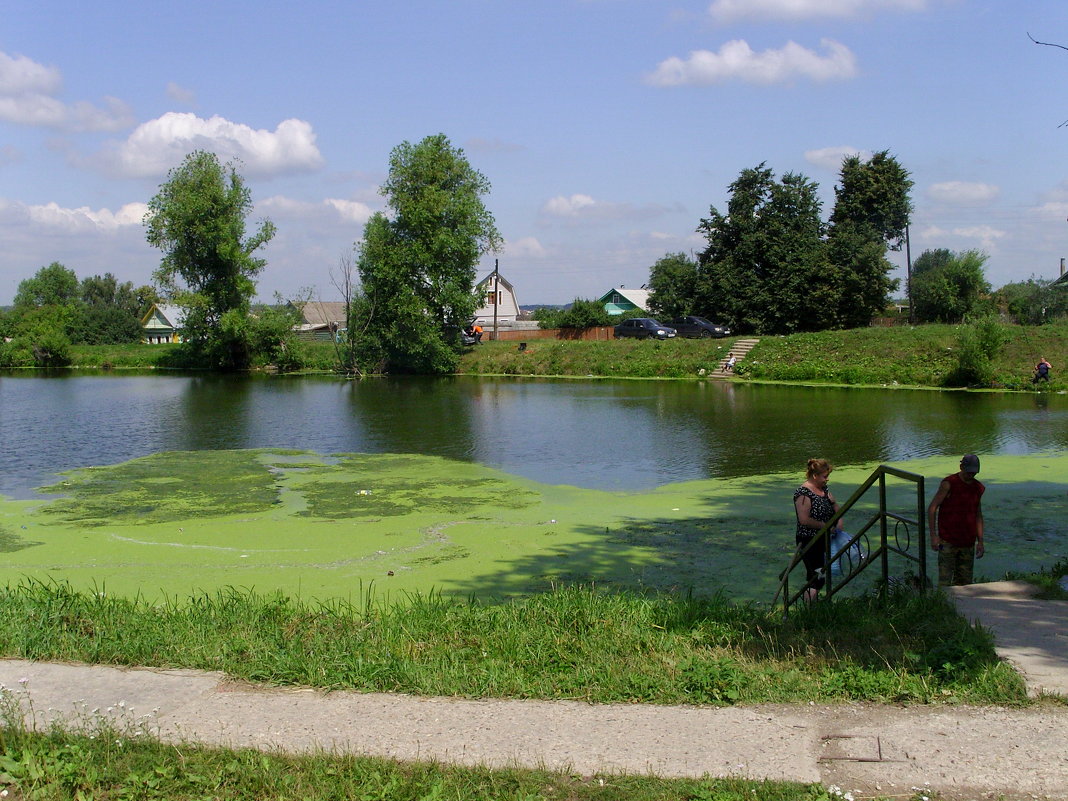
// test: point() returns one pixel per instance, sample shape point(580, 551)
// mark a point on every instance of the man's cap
point(970, 463)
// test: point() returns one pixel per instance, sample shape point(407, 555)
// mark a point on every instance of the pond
point(478, 486)
point(601, 434)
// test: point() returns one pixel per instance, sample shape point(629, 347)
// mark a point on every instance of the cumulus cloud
point(830, 158)
point(51, 218)
point(585, 208)
point(725, 11)
point(158, 145)
point(526, 247)
point(330, 209)
point(28, 97)
point(181, 95)
point(962, 193)
point(986, 236)
point(737, 61)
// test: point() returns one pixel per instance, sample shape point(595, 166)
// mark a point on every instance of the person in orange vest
point(478, 334)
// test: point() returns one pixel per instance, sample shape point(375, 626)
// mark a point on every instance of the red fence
point(598, 333)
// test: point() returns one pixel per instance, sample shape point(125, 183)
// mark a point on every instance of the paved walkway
point(963, 752)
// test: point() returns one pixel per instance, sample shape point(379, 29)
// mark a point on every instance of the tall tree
point(949, 287)
point(763, 270)
point(54, 285)
point(871, 214)
point(198, 220)
point(673, 281)
point(417, 264)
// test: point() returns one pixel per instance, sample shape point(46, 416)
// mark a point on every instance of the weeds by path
point(575, 643)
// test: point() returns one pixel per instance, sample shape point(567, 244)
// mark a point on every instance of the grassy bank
point(913, 356)
point(570, 643)
point(924, 356)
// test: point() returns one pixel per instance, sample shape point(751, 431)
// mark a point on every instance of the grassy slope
point(915, 356)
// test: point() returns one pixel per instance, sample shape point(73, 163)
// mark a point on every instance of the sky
point(607, 128)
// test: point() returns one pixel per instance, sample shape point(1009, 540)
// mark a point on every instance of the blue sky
point(606, 127)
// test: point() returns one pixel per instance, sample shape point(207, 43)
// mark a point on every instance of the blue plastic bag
point(850, 558)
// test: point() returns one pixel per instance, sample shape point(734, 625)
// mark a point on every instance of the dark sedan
point(643, 328)
point(692, 326)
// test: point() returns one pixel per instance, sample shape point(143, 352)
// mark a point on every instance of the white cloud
point(830, 158)
point(984, 236)
point(158, 145)
point(330, 209)
point(181, 95)
point(51, 217)
point(527, 247)
point(962, 193)
point(28, 97)
point(724, 11)
point(736, 60)
point(585, 208)
point(561, 206)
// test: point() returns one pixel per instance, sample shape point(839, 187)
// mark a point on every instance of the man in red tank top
point(955, 522)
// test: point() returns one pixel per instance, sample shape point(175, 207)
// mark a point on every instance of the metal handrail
point(881, 553)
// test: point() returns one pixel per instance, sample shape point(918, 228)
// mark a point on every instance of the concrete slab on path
point(1030, 633)
point(963, 752)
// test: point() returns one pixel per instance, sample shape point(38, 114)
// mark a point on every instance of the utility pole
point(496, 293)
point(908, 273)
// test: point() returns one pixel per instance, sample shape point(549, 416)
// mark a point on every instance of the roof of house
point(172, 315)
point(504, 282)
point(639, 297)
point(322, 312)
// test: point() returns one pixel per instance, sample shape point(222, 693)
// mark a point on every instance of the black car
point(643, 328)
point(691, 326)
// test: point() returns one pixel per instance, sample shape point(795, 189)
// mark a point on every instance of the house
point(496, 292)
point(621, 299)
point(162, 324)
point(320, 319)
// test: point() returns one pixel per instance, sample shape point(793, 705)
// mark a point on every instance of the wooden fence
point(598, 333)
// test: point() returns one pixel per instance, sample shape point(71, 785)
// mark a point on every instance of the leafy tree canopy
point(417, 264)
point(949, 288)
point(54, 285)
point(765, 265)
point(197, 219)
point(673, 283)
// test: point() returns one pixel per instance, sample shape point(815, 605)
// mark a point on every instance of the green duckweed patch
point(332, 526)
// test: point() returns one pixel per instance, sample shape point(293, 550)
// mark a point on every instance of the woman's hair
point(818, 467)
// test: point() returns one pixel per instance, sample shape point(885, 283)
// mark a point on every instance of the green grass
point(902, 355)
point(571, 643)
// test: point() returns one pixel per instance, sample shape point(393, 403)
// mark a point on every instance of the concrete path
point(1029, 633)
point(962, 752)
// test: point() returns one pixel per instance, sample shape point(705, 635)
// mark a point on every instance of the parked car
point(643, 328)
point(692, 326)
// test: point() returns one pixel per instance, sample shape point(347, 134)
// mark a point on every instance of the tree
point(582, 313)
point(947, 287)
point(871, 214)
point(764, 269)
point(54, 285)
point(198, 220)
point(673, 281)
point(417, 265)
point(1035, 301)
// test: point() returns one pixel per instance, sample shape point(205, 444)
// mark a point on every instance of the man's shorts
point(955, 564)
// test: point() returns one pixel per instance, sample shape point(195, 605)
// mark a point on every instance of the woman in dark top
point(814, 506)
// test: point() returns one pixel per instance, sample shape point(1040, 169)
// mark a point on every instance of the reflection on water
point(601, 434)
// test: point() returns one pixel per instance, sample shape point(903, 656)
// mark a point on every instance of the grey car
point(692, 326)
point(644, 328)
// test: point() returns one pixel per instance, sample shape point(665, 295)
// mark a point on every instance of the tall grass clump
point(573, 642)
